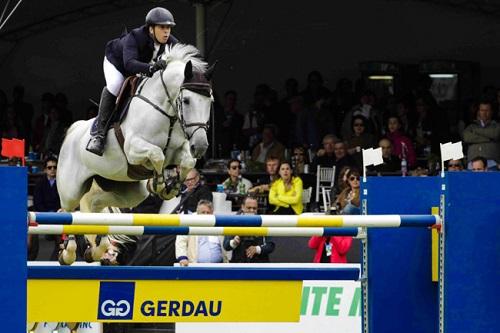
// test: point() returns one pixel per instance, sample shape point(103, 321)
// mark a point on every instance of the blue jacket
point(132, 52)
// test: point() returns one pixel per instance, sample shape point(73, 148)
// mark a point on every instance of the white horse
point(166, 125)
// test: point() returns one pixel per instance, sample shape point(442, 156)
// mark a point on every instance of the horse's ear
point(188, 71)
point(210, 71)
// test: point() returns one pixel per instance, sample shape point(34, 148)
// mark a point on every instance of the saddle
point(127, 91)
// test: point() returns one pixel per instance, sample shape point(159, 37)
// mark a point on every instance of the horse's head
point(188, 75)
point(195, 100)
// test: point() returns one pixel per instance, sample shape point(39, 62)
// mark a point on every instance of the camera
point(247, 241)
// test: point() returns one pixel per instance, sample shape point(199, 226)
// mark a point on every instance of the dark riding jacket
point(132, 52)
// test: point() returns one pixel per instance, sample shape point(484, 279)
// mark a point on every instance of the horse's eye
point(185, 100)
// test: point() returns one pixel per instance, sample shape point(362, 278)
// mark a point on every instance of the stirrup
point(96, 145)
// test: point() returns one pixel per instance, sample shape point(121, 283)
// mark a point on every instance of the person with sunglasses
point(192, 191)
point(348, 200)
point(46, 197)
point(235, 183)
point(455, 165)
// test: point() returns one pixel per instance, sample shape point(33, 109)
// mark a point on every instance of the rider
point(135, 52)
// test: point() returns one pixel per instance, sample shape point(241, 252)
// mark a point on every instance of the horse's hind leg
point(70, 199)
point(102, 194)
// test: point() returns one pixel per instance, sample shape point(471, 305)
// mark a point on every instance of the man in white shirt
point(200, 249)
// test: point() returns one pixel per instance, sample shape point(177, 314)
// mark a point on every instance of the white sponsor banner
point(63, 328)
point(326, 305)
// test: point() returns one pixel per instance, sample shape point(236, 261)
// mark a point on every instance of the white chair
point(306, 196)
point(325, 179)
point(327, 201)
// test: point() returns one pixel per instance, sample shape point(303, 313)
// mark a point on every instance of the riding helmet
point(160, 16)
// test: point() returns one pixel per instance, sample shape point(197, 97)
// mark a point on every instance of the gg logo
point(111, 309)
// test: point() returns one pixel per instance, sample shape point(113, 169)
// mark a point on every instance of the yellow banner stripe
point(320, 221)
point(255, 301)
point(86, 229)
point(246, 231)
point(173, 220)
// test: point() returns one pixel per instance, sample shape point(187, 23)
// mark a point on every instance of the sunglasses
point(454, 165)
point(353, 178)
point(234, 167)
point(50, 167)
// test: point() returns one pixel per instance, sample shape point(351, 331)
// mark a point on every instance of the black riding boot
point(106, 108)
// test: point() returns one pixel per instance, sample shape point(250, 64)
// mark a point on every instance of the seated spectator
point(359, 139)
point(254, 119)
point(325, 156)
point(303, 129)
point(330, 249)
point(228, 123)
point(299, 159)
point(42, 121)
point(264, 183)
point(431, 125)
point(455, 165)
point(392, 163)
point(268, 146)
point(46, 198)
point(402, 146)
point(66, 116)
point(54, 134)
point(483, 136)
point(479, 164)
point(286, 192)
point(200, 249)
point(235, 183)
point(367, 110)
point(342, 159)
point(24, 111)
point(348, 200)
point(341, 184)
point(12, 126)
point(249, 249)
point(192, 192)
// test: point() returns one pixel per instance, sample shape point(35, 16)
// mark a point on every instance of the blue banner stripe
point(148, 230)
point(340, 232)
point(417, 220)
point(190, 273)
point(238, 220)
point(54, 218)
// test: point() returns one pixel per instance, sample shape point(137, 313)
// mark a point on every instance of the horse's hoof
point(87, 256)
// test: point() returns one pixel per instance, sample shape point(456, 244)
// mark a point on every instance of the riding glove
point(160, 64)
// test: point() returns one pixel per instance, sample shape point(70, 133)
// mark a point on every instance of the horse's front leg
point(174, 178)
point(141, 152)
point(184, 160)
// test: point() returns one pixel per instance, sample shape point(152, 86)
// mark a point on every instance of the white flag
point(451, 151)
point(372, 157)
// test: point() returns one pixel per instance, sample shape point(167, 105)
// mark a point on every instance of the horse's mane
point(185, 53)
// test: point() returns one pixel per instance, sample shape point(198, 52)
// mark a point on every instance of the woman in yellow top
point(286, 192)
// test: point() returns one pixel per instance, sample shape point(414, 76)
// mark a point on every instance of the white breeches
point(114, 79)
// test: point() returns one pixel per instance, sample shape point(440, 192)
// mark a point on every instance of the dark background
point(57, 45)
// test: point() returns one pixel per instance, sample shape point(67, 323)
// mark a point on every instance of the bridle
point(197, 84)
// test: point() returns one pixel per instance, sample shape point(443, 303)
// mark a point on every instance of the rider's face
point(161, 32)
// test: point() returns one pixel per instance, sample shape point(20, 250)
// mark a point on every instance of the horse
point(165, 126)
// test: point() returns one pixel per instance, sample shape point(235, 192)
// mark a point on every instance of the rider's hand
point(160, 64)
